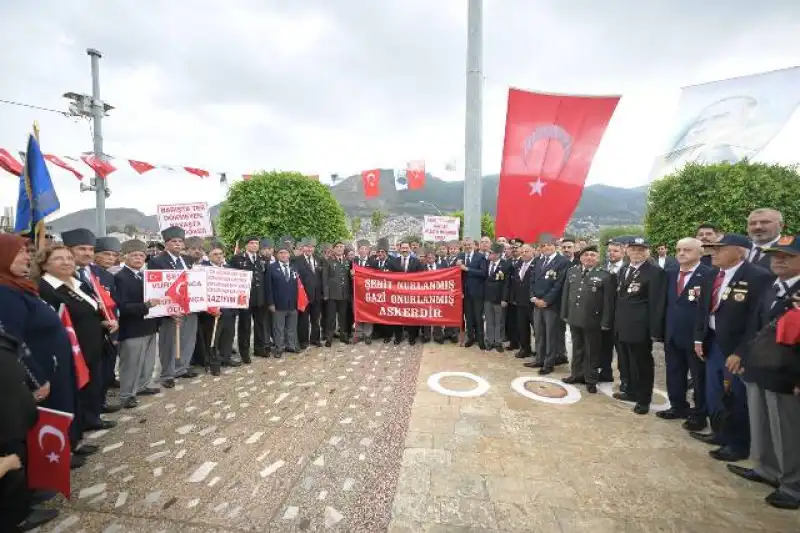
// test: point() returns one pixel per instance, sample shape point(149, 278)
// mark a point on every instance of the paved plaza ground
point(355, 439)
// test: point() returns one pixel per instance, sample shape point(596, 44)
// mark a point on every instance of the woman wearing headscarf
point(26, 317)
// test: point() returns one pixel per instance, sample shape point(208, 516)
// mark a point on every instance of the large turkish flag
point(549, 145)
point(49, 452)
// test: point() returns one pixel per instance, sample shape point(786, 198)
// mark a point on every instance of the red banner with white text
point(430, 298)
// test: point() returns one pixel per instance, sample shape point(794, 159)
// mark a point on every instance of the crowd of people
point(714, 305)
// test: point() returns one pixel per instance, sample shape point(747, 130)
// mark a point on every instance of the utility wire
point(31, 106)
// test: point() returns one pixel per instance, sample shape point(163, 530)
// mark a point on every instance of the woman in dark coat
point(26, 317)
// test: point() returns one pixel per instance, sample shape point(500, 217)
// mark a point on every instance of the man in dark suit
point(137, 334)
point(519, 281)
point(430, 262)
point(172, 367)
point(474, 265)
point(547, 282)
point(382, 262)
point(615, 254)
point(106, 253)
point(282, 301)
point(363, 331)
point(764, 228)
point(638, 322)
point(256, 313)
point(451, 260)
point(406, 263)
point(495, 298)
point(684, 288)
point(217, 332)
point(587, 305)
point(664, 260)
point(309, 268)
point(337, 292)
point(733, 297)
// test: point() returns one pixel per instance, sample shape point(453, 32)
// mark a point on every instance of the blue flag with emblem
point(37, 196)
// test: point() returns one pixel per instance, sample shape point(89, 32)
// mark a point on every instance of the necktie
point(430, 267)
point(715, 292)
point(469, 259)
point(86, 285)
point(491, 272)
point(179, 264)
point(285, 272)
point(756, 254)
point(405, 264)
point(585, 272)
point(380, 265)
point(631, 271)
point(138, 276)
point(682, 280)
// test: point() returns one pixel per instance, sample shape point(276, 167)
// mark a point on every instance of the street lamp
point(423, 202)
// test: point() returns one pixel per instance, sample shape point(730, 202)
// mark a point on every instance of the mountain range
point(600, 205)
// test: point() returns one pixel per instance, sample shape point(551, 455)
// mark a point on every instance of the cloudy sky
point(326, 86)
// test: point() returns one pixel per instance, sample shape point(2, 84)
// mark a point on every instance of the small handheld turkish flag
point(81, 369)
point(788, 328)
point(371, 179)
point(49, 452)
point(302, 296)
point(178, 292)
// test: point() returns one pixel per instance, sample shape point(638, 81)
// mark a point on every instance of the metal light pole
point(473, 142)
point(98, 111)
point(424, 202)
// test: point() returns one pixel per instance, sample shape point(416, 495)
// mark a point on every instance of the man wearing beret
point(256, 312)
point(106, 254)
point(281, 299)
point(309, 268)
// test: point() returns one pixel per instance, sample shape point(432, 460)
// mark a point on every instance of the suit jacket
point(163, 261)
point(683, 309)
point(587, 301)
point(739, 303)
point(283, 293)
point(337, 284)
point(413, 264)
point(641, 302)
point(375, 263)
point(547, 281)
point(670, 263)
point(258, 288)
point(475, 276)
point(520, 289)
point(311, 277)
point(106, 279)
point(132, 309)
point(496, 286)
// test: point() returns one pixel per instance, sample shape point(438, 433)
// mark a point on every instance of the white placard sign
point(157, 282)
point(228, 288)
point(194, 218)
point(438, 228)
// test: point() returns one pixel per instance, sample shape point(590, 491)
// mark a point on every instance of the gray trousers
point(363, 330)
point(546, 330)
point(137, 358)
point(494, 314)
point(284, 330)
point(171, 366)
point(775, 437)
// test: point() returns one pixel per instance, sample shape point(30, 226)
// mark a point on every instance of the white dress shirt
point(56, 283)
point(729, 273)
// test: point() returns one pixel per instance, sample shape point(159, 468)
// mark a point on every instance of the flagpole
point(39, 232)
point(474, 122)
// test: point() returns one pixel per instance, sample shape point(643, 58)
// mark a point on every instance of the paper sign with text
point(437, 229)
point(228, 288)
point(157, 282)
point(194, 218)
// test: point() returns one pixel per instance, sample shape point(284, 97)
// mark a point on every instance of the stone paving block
point(467, 512)
point(458, 484)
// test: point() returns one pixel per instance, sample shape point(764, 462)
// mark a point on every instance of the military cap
point(363, 242)
point(284, 245)
point(498, 248)
point(107, 244)
point(731, 239)
point(287, 238)
point(173, 232)
point(133, 245)
point(787, 244)
point(266, 243)
point(383, 244)
point(251, 238)
point(78, 237)
point(642, 242)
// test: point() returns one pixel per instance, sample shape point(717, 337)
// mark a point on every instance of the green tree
point(487, 224)
point(273, 204)
point(131, 229)
point(611, 232)
point(377, 220)
point(355, 226)
point(722, 194)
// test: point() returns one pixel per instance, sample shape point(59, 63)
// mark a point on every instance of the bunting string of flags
point(412, 177)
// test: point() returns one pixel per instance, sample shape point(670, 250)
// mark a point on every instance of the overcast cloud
point(326, 86)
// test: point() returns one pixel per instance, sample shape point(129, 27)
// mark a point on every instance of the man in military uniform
point(256, 313)
point(587, 305)
point(336, 291)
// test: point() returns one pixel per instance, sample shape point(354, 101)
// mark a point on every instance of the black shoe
point(482, 345)
point(562, 360)
point(532, 364)
point(439, 340)
point(727, 454)
point(412, 342)
point(522, 354)
point(114, 385)
point(641, 409)
point(470, 343)
point(500, 348)
point(130, 403)
point(278, 355)
point(188, 375)
point(705, 438)
point(569, 380)
point(751, 475)
point(695, 423)
point(169, 383)
point(781, 500)
point(623, 387)
point(216, 371)
point(148, 391)
point(37, 518)
point(76, 461)
point(591, 388)
point(624, 397)
point(672, 413)
point(368, 341)
point(86, 450)
point(111, 408)
point(104, 424)
point(328, 344)
point(454, 340)
point(544, 371)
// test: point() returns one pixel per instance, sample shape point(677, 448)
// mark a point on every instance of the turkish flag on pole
point(57, 161)
point(9, 164)
point(302, 296)
point(81, 370)
point(140, 166)
point(107, 304)
point(102, 167)
point(372, 182)
point(178, 292)
point(49, 452)
point(415, 174)
point(549, 145)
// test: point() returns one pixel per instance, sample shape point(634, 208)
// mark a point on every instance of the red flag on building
point(9, 164)
point(415, 174)
point(549, 144)
point(302, 296)
point(140, 166)
point(49, 452)
point(81, 369)
point(102, 167)
point(372, 182)
point(178, 292)
point(57, 161)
